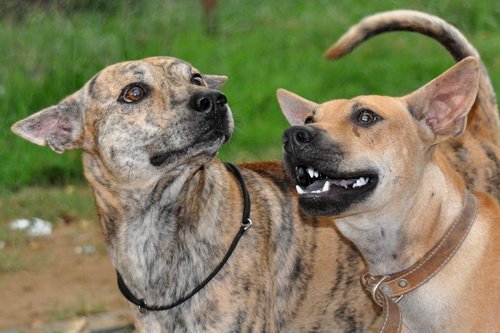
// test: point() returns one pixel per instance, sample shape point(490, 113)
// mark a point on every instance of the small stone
point(35, 227)
point(85, 249)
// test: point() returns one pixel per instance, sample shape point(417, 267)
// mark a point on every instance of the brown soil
point(54, 282)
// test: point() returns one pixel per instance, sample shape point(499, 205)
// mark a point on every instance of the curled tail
point(483, 120)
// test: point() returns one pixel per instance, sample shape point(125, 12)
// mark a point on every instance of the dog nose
point(298, 136)
point(208, 101)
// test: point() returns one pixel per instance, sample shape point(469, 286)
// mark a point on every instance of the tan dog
point(149, 131)
point(475, 154)
point(376, 169)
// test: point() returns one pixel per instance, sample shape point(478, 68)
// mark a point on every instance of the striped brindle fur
point(476, 154)
point(169, 209)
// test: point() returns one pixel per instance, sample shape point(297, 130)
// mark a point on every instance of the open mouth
point(310, 181)
point(329, 194)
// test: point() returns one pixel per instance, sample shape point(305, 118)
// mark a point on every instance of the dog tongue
point(316, 186)
point(343, 182)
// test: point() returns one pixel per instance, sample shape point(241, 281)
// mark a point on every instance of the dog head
point(353, 156)
point(138, 118)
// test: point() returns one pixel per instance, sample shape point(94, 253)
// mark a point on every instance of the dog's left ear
point(215, 81)
point(295, 108)
point(442, 104)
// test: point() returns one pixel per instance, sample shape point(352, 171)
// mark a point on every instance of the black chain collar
point(246, 223)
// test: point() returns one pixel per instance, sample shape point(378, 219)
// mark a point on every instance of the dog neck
point(394, 237)
point(150, 229)
point(120, 200)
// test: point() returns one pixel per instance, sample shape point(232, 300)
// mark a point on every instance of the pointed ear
point(294, 107)
point(59, 126)
point(215, 81)
point(443, 103)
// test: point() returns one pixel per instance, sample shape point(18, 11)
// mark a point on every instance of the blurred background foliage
point(50, 48)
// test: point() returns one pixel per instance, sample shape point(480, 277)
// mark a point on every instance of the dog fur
point(408, 196)
point(169, 208)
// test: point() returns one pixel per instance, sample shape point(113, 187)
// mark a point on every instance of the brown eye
point(309, 120)
point(366, 117)
point(196, 79)
point(132, 93)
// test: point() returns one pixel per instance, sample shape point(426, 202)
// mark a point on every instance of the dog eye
point(366, 117)
point(309, 120)
point(132, 93)
point(196, 79)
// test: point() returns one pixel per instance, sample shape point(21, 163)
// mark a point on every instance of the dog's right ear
point(295, 108)
point(59, 126)
point(442, 104)
point(215, 81)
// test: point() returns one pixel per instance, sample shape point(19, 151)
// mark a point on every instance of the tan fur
point(417, 194)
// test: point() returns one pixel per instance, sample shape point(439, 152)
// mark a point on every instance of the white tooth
point(299, 189)
point(360, 182)
point(310, 171)
point(316, 174)
point(326, 187)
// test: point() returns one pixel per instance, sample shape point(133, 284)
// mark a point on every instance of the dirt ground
point(57, 281)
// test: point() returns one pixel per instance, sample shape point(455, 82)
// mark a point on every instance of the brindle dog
point(149, 131)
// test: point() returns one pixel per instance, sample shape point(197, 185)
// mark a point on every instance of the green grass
point(66, 204)
point(81, 307)
point(261, 45)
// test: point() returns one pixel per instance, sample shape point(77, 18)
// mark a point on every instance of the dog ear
point(215, 81)
point(294, 107)
point(59, 126)
point(444, 102)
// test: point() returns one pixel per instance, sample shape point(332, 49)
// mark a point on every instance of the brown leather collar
point(387, 290)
